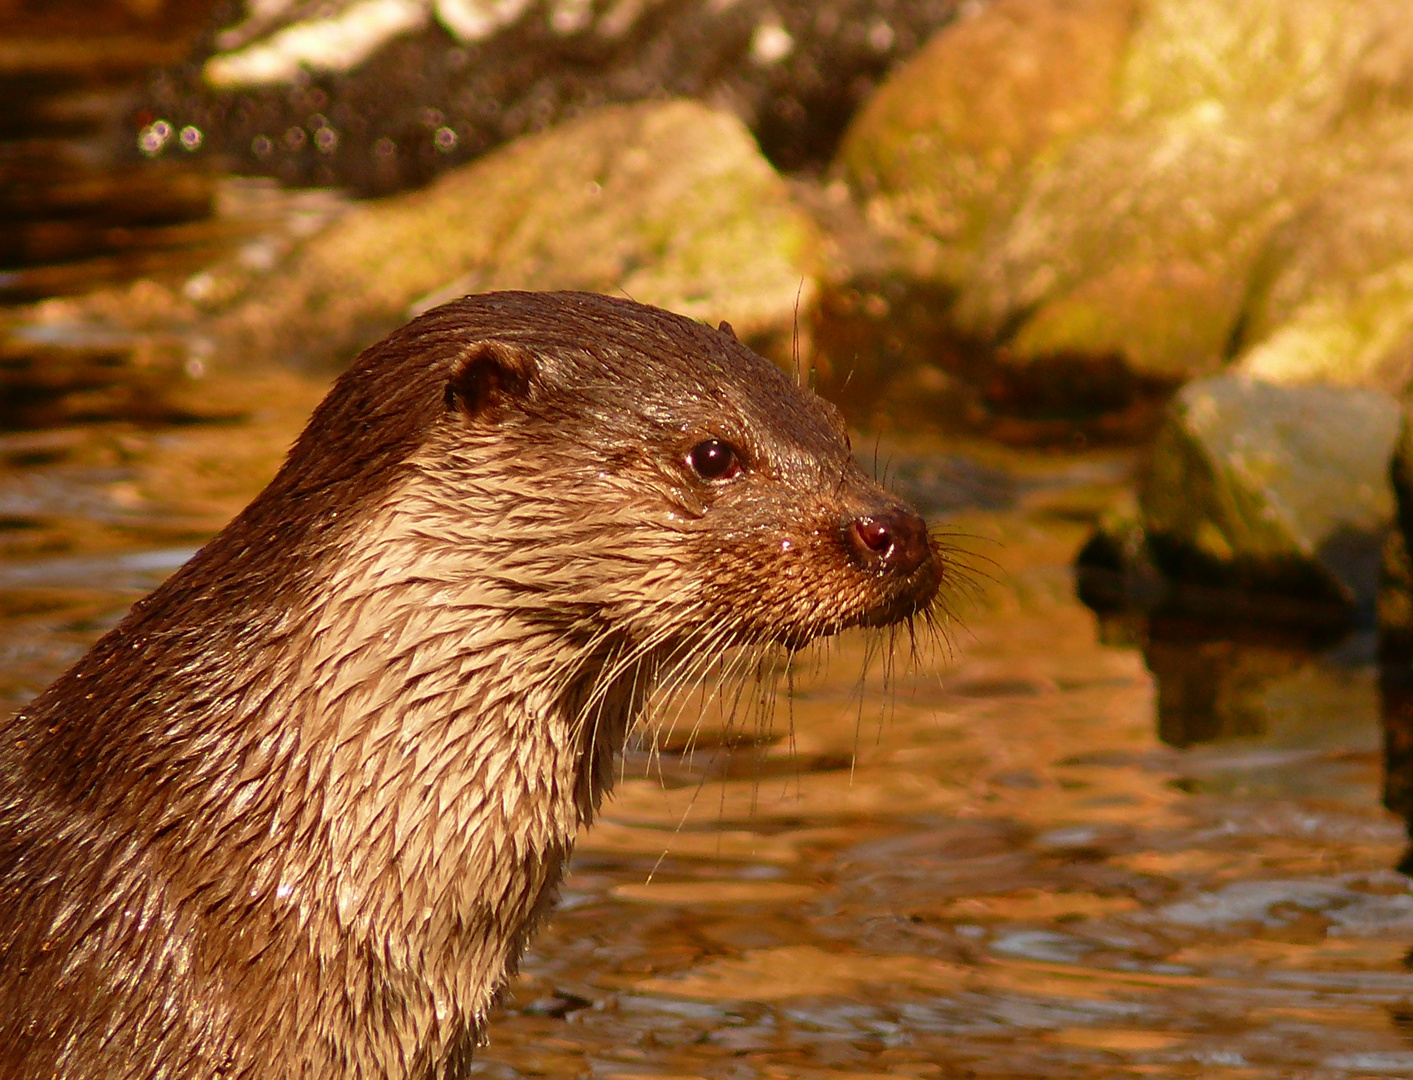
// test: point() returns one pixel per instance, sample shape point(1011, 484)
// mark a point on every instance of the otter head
point(618, 473)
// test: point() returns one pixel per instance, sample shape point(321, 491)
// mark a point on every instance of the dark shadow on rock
point(889, 352)
point(425, 101)
point(1353, 557)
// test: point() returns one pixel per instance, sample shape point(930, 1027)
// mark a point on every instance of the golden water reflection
point(986, 864)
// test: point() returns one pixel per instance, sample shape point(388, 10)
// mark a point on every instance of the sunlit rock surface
point(1262, 502)
point(376, 95)
point(669, 203)
point(1176, 184)
point(942, 150)
point(1332, 295)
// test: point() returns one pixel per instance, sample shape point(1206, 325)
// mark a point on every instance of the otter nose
point(894, 539)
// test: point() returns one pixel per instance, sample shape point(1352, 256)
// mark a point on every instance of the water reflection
point(1265, 684)
point(1260, 696)
point(983, 863)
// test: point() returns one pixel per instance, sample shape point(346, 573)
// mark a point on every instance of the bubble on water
point(262, 146)
point(326, 140)
point(385, 147)
point(881, 37)
point(154, 137)
point(191, 137)
point(445, 139)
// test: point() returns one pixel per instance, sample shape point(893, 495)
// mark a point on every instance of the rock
point(1166, 185)
point(1114, 571)
point(939, 151)
point(1110, 254)
point(1138, 239)
point(1396, 578)
point(1274, 490)
point(1331, 298)
point(1396, 655)
point(377, 95)
point(670, 203)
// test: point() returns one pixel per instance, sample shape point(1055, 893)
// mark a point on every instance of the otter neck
point(457, 743)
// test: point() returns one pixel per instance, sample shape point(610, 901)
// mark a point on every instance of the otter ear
point(489, 374)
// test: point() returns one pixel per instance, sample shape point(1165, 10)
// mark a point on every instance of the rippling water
point(984, 863)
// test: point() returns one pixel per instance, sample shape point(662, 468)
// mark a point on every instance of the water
point(984, 863)
point(1051, 847)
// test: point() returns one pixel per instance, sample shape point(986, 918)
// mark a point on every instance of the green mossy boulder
point(1275, 489)
point(667, 202)
point(940, 150)
point(1220, 182)
point(1331, 298)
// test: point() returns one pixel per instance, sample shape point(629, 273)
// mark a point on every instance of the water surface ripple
point(981, 863)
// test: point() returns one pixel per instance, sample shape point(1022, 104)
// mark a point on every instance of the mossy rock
point(1128, 210)
point(1331, 298)
point(1139, 241)
point(670, 203)
point(939, 149)
point(1291, 57)
point(1272, 488)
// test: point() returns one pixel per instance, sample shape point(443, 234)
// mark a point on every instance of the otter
point(299, 812)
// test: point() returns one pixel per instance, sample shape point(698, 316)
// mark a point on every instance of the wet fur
point(299, 812)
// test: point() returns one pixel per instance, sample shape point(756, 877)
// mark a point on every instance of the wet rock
point(940, 151)
point(382, 94)
point(1266, 503)
point(1161, 186)
point(1395, 617)
point(1114, 571)
point(1331, 298)
point(670, 203)
point(1396, 581)
point(1396, 670)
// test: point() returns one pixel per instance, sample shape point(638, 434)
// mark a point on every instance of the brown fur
point(297, 815)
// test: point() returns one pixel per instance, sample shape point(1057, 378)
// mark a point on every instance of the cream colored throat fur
point(454, 739)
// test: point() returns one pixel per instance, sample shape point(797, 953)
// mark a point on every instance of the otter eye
point(714, 460)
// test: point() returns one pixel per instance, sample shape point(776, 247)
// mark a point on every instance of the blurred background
point(1118, 292)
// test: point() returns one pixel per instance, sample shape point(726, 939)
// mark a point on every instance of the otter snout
point(892, 539)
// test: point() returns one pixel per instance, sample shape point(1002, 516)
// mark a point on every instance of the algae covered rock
point(1110, 253)
point(1331, 298)
point(1274, 489)
point(1220, 182)
point(670, 203)
point(939, 150)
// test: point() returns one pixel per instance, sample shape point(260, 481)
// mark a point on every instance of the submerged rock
point(1262, 503)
